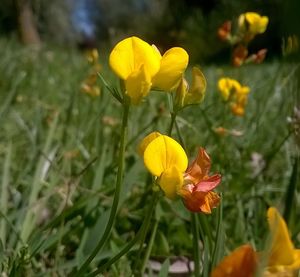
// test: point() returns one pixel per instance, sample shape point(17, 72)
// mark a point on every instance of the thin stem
point(173, 118)
point(138, 236)
point(114, 207)
point(196, 254)
point(149, 248)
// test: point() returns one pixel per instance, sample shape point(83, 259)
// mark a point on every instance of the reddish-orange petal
point(241, 262)
point(199, 201)
point(209, 183)
point(199, 168)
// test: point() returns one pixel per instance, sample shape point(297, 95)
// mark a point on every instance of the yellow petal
point(171, 181)
point(130, 54)
point(197, 92)
point(257, 23)
point(282, 249)
point(144, 143)
point(173, 64)
point(138, 85)
point(162, 153)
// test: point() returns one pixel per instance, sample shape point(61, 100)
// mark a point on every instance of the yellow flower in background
point(166, 159)
point(186, 95)
point(235, 93)
point(172, 66)
point(253, 23)
point(136, 62)
point(283, 257)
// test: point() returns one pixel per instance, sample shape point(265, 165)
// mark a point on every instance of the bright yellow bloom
point(165, 158)
point(283, 258)
point(172, 66)
point(253, 23)
point(193, 95)
point(136, 62)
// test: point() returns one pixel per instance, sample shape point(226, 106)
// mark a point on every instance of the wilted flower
point(165, 158)
point(186, 95)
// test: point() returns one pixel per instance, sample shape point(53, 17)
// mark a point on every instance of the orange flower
point(197, 191)
point(224, 30)
point(240, 53)
point(241, 262)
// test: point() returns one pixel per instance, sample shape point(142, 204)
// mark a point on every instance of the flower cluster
point(282, 257)
point(167, 161)
point(249, 25)
point(141, 67)
point(89, 85)
point(234, 93)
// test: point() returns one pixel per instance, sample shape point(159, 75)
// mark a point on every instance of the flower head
point(283, 257)
point(233, 92)
point(172, 66)
point(253, 23)
point(165, 158)
point(136, 62)
point(241, 262)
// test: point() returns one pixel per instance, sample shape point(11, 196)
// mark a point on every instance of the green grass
point(58, 152)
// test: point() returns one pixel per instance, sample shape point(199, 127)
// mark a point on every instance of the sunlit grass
point(58, 148)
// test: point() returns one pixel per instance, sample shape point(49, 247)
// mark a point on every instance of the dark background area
point(191, 24)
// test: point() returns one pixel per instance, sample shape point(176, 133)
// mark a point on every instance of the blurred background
point(191, 24)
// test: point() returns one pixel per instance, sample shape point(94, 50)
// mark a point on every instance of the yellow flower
point(136, 62)
point(283, 257)
point(165, 158)
point(172, 66)
point(228, 87)
point(253, 23)
point(193, 95)
point(231, 90)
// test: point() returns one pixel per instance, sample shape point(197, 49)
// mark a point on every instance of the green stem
point(196, 253)
point(173, 118)
point(149, 247)
point(115, 203)
point(138, 236)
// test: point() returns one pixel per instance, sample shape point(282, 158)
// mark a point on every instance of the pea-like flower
point(136, 62)
point(167, 161)
point(234, 93)
point(141, 67)
point(253, 23)
point(283, 257)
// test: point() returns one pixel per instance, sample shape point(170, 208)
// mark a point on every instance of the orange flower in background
point(224, 32)
point(242, 262)
point(239, 55)
point(167, 161)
